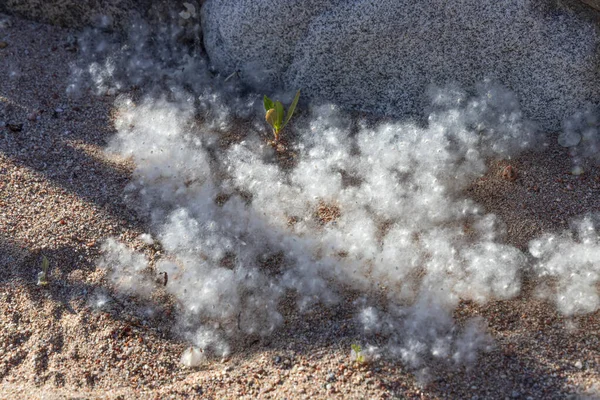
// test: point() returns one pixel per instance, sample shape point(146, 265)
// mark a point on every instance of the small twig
point(231, 76)
point(165, 277)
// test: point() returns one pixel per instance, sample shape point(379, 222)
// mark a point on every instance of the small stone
point(515, 394)
point(577, 170)
point(509, 173)
point(3, 45)
point(331, 377)
point(276, 359)
point(59, 110)
point(579, 365)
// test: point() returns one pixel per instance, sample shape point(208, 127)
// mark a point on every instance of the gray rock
point(593, 3)
point(107, 14)
point(381, 56)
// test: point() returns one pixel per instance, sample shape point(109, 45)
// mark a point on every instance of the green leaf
point(271, 117)
point(356, 347)
point(280, 112)
point(42, 279)
point(292, 108)
point(268, 103)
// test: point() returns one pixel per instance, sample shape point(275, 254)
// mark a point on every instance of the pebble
point(3, 45)
point(577, 170)
point(579, 365)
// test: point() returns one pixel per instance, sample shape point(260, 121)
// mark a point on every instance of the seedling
point(274, 114)
point(42, 276)
point(357, 354)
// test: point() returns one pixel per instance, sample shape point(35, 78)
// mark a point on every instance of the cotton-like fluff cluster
point(401, 224)
point(581, 133)
point(405, 177)
point(171, 165)
point(173, 184)
point(404, 226)
point(571, 261)
point(127, 270)
point(150, 57)
point(426, 332)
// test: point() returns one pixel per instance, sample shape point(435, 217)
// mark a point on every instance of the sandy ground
point(60, 196)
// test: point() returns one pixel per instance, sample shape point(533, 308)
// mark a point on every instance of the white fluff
point(193, 357)
point(573, 258)
point(406, 176)
point(405, 227)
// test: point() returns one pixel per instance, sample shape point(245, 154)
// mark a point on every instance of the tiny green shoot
point(42, 275)
point(274, 114)
point(357, 354)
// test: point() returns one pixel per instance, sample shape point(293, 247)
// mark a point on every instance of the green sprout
point(42, 276)
point(274, 114)
point(357, 354)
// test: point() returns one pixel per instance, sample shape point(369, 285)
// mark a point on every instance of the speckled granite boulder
point(382, 55)
point(593, 3)
point(114, 14)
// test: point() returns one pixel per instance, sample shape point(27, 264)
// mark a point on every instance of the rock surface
point(382, 56)
point(593, 3)
point(112, 14)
